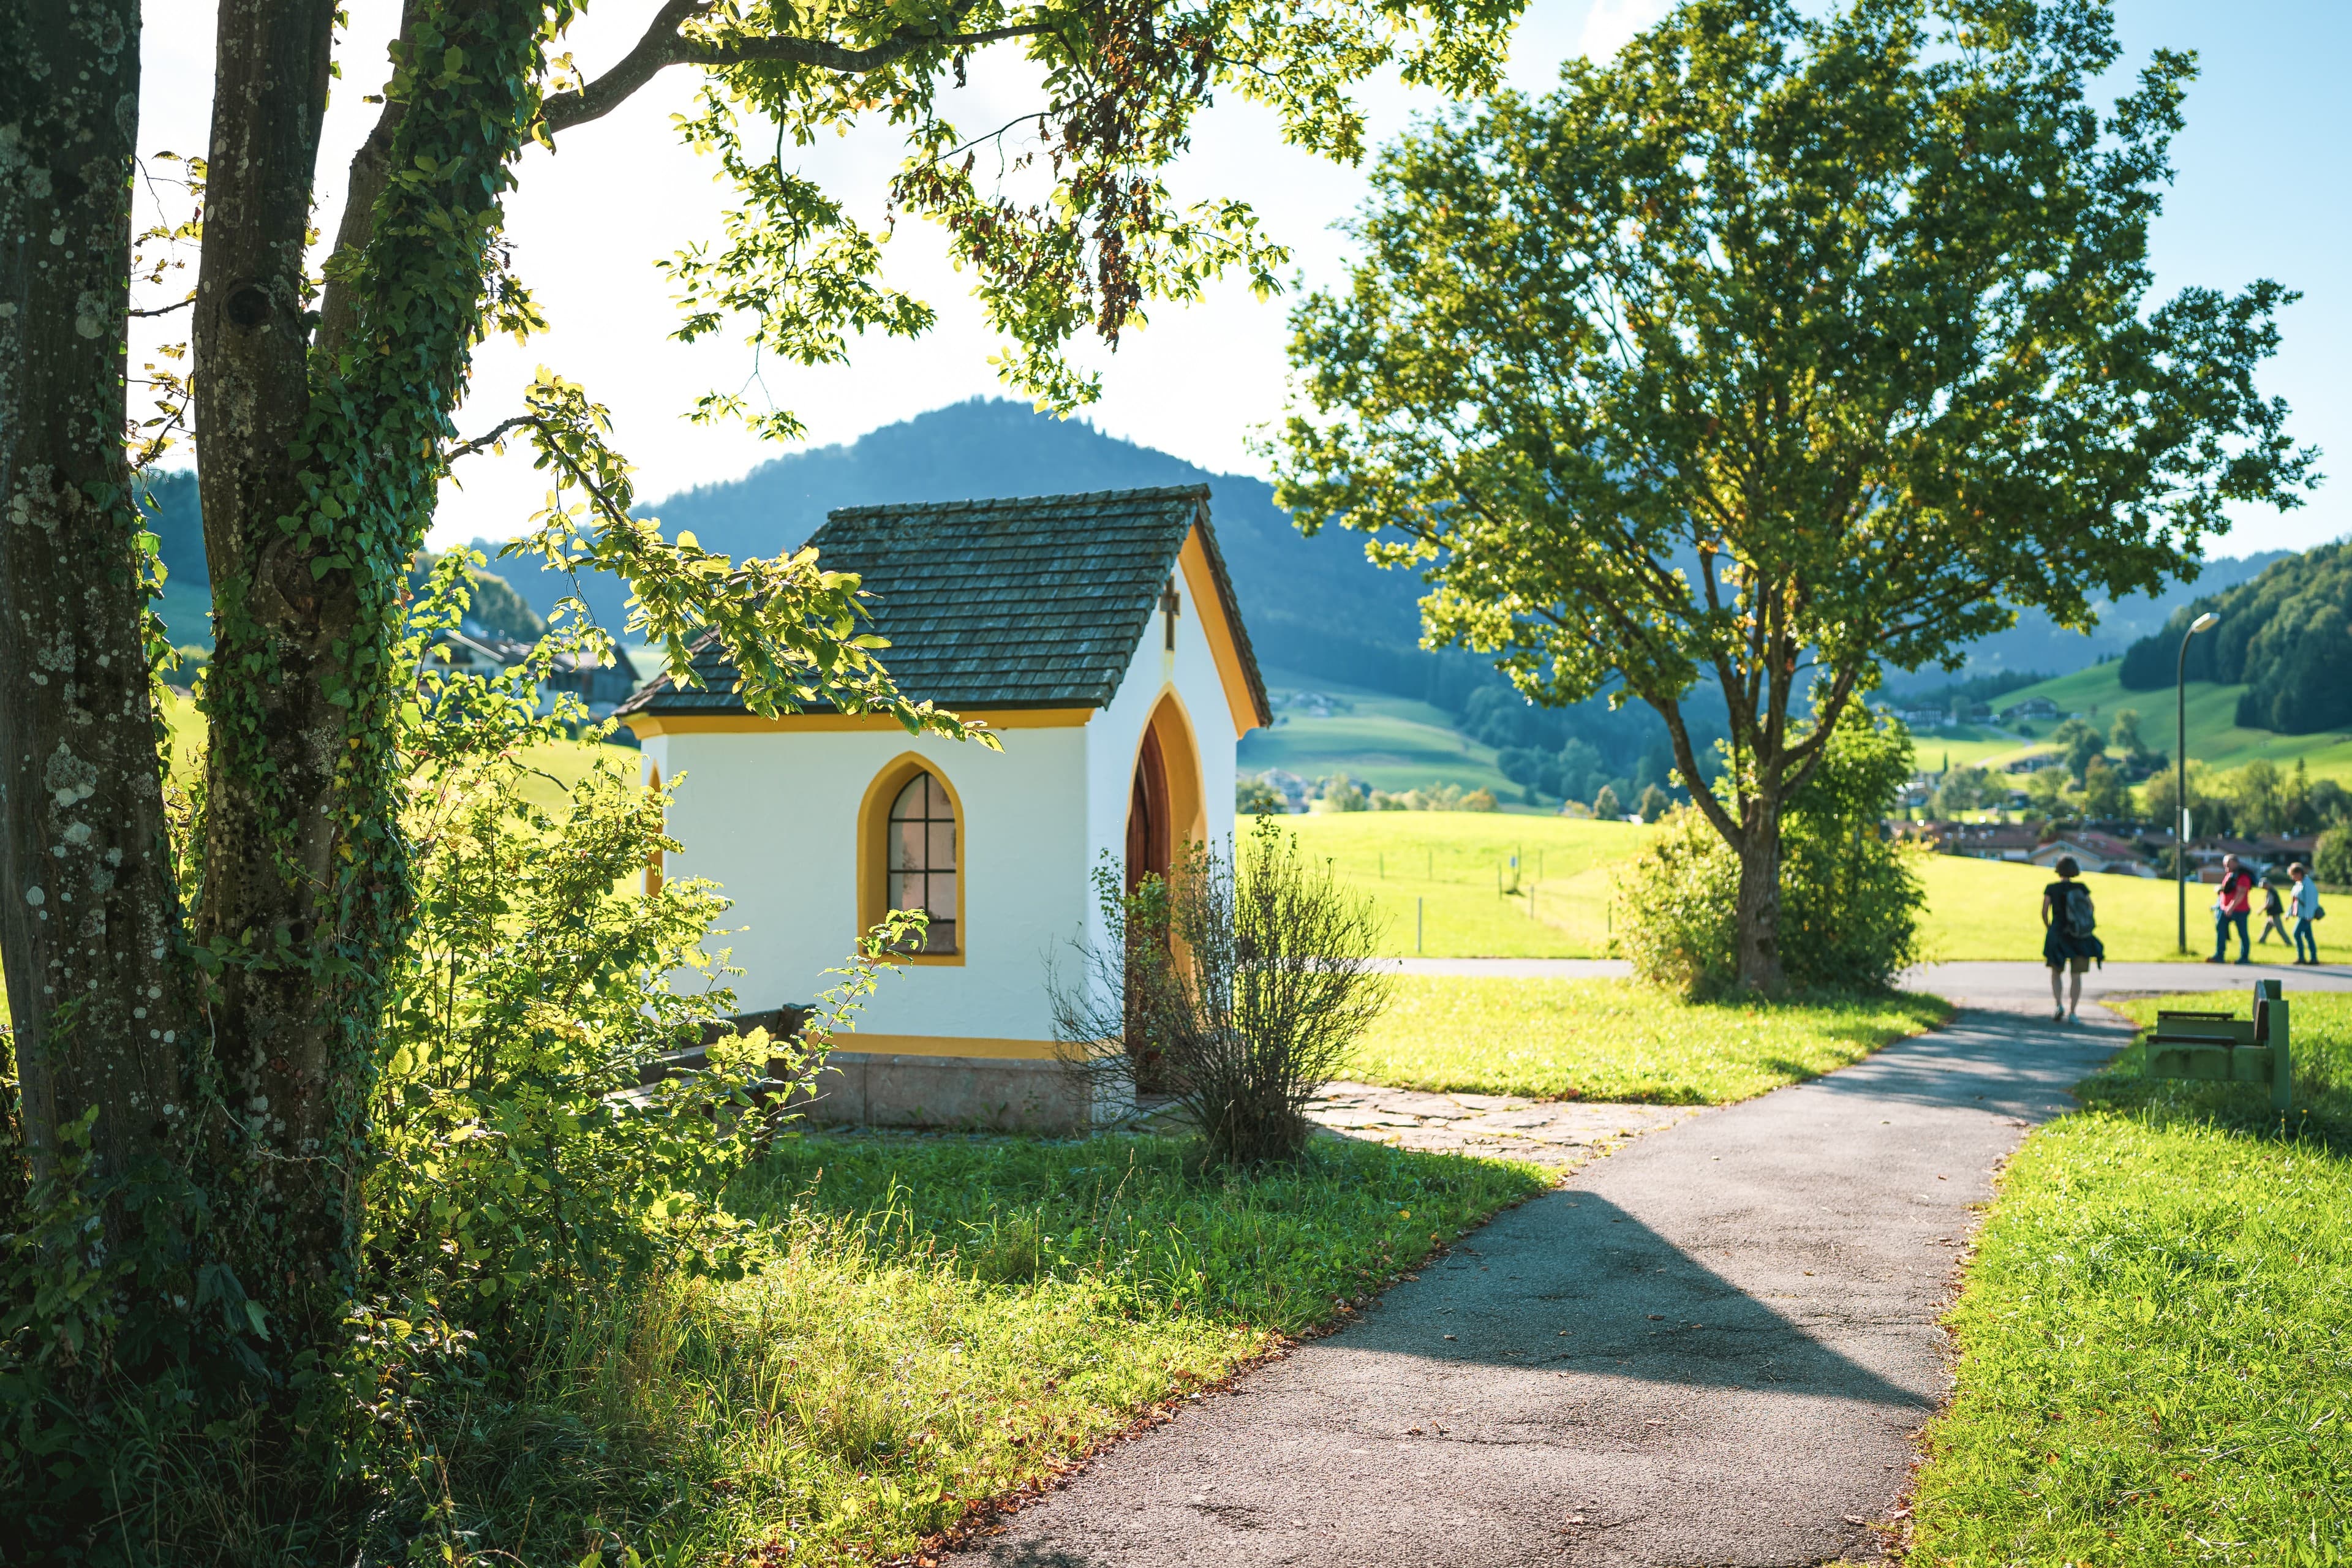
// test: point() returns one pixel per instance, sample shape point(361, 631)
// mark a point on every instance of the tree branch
point(370, 168)
point(490, 438)
point(663, 46)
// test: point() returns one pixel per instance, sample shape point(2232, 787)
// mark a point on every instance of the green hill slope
point(2215, 736)
point(2284, 638)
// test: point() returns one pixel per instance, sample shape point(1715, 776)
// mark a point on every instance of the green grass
point(947, 1319)
point(1392, 743)
point(1611, 1039)
point(1992, 910)
point(556, 767)
point(1970, 747)
point(1454, 868)
point(2156, 1359)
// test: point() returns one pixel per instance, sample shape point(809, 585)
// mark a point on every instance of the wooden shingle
point(1031, 602)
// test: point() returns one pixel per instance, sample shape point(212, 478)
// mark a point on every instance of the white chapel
point(1099, 635)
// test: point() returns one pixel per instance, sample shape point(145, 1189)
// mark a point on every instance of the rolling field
point(1392, 743)
point(2214, 737)
point(1450, 863)
point(1970, 747)
point(1456, 867)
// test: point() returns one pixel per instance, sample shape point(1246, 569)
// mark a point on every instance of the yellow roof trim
point(647, 725)
point(945, 1046)
point(1200, 584)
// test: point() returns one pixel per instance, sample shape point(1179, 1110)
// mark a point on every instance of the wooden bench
point(2221, 1047)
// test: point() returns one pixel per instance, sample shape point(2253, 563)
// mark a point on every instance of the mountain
point(2039, 644)
point(177, 521)
point(1314, 608)
point(2286, 637)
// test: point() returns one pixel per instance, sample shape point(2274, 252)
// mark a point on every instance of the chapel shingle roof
point(1031, 602)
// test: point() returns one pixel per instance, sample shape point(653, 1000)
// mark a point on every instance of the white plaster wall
point(1115, 735)
point(773, 819)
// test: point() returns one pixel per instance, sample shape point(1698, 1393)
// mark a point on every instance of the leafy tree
point(1776, 352)
point(1656, 804)
point(1856, 894)
point(2078, 744)
point(2124, 739)
point(199, 1077)
point(1605, 805)
point(2046, 788)
point(2104, 795)
point(1965, 789)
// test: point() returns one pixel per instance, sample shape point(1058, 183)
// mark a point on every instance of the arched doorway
point(1148, 827)
point(1163, 808)
point(1163, 816)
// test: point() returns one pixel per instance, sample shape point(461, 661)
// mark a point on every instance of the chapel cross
point(1169, 604)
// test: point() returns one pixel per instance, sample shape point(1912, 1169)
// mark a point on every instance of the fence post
point(1416, 924)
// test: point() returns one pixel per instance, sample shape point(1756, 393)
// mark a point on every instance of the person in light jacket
point(2303, 905)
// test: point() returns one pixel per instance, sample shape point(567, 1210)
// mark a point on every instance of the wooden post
point(2271, 1019)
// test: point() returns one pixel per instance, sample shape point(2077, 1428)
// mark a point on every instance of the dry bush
point(1251, 1002)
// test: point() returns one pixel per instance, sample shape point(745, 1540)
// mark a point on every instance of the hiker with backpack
point(2273, 914)
point(2233, 900)
point(2070, 939)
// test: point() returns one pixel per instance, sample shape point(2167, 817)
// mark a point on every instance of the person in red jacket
point(2232, 901)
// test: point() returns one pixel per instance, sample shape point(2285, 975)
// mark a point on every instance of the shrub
point(1849, 898)
point(1340, 794)
point(1256, 797)
point(1605, 805)
point(1249, 1001)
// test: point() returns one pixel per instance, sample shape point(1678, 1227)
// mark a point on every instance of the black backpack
point(2081, 919)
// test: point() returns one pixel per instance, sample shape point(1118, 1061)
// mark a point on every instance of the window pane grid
point(920, 849)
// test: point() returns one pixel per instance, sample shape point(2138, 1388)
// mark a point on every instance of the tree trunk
point(1758, 907)
point(89, 911)
point(276, 737)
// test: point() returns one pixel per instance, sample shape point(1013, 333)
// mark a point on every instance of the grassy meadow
point(946, 1320)
point(1389, 742)
point(1611, 1039)
point(2155, 1364)
point(1454, 868)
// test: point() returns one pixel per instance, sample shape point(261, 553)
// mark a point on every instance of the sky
point(2263, 189)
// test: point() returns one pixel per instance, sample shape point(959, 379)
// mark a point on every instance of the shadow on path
point(1713, 1346)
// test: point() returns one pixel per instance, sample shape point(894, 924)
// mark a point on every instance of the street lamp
point(2203, 623)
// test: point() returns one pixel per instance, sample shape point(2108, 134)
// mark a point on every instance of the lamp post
point(2181, 771)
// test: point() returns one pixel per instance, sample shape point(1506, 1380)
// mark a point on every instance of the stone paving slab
point(1560, 1134)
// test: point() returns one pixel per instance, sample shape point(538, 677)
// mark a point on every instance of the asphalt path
point(1713, 1347)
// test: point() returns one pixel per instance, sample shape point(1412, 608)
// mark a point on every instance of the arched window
point(920, 858)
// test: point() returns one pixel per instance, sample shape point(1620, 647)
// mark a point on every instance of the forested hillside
point(2285, 636)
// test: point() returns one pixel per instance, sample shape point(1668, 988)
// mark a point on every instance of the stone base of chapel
point(1000, 1094)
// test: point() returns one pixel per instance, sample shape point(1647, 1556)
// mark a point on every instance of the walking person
point(2302, 903)
point(2233, 900)
point(2070, 939)
point(2272, 908)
